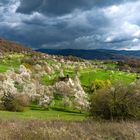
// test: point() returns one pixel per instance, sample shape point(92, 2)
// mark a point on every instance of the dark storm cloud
point(4, 1)
point(62, 32)
point(76, 24)
point(60, 7)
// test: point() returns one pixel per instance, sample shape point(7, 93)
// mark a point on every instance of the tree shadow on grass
point(37, 108)
point(59, 109)
point(67, 111)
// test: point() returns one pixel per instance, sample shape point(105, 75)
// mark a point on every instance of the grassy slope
point(10, 62)
point(45, 115)
point(57, 112)
point(88, 76)
point(3, 68)
point(36, 112)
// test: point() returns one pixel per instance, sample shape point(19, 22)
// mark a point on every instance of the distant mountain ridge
point(101, 54)
point(7, 46)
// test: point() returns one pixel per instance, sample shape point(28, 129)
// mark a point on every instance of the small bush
point(14, 102)
point(117, 102)
point(28, 66)
point(29, 61)
point(99, 84)
point(2, 77)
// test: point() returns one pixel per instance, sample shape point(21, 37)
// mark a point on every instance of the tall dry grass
point(61, 130)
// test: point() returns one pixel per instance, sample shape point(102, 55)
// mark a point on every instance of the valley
point(41, 88)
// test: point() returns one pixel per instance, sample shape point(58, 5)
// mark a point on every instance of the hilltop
point(7, 46)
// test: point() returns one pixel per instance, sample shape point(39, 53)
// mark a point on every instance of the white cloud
point(135, 40)
point(137, 33)
point(124, 25)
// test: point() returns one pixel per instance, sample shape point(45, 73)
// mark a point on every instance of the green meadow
point(86, 76)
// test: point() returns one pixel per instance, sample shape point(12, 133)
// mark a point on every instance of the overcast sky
point(75, 24)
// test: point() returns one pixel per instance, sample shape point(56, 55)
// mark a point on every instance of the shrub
point(14, 102)
point(28, 66)
point(2, 77)
point(117, 102)
point(99, 84)
point(30, 61)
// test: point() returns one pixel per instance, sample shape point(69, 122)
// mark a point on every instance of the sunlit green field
point(8, 63)
point(87, 75)
point(3, 68)
point(35, 112)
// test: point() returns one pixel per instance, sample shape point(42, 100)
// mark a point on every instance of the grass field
point(3, 68)
point(57, 112)
point(7, 64)
point(88, 76)
point(54, 113)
